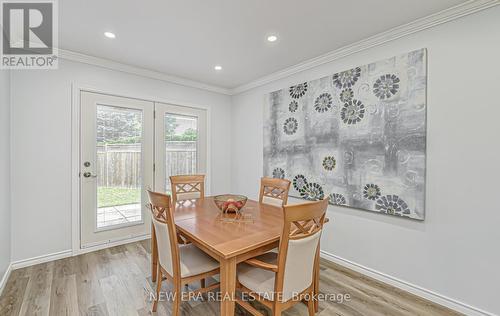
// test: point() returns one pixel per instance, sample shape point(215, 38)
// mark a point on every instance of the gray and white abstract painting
point(358, 136)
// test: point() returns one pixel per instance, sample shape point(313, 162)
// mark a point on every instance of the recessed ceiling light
point(272, 38)
point(218, 67)
point(109, 35)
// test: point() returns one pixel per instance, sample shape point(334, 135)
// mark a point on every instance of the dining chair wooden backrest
point(166, 235)
point(274, 191)
point(303, 224)
point(186, 187)
point(169, 254)
point(297, 262)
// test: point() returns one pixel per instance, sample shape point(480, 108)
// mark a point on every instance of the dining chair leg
point(158, 289)
point(277, 309)
point(311, 304)
point(316, 279)
point(154, 254)
point(177, 298)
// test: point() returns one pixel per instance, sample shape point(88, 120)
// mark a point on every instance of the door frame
point(76, 89)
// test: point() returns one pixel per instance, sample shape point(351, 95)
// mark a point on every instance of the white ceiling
point(187, 38)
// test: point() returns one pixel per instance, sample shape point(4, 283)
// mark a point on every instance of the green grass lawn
point(113, 196)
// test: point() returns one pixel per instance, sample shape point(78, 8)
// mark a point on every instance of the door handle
point(89, 175)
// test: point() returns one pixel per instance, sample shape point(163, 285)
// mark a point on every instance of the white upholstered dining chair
point(280, 281)
point(179, 264)
point(274, 191)
point(187, 187)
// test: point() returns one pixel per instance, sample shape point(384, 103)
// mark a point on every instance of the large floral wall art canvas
point(357, 137)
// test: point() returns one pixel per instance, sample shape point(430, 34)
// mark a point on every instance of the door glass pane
point(119, 160)
point(181, 139)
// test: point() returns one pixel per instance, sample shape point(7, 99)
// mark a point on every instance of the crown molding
point(113, 65)
point(453, 13)
point(418, 25)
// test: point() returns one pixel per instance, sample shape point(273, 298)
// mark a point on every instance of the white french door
point(180, 143)
point(116, 167)
point(127, 146)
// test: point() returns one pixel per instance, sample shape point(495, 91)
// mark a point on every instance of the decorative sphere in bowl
point(229, 203)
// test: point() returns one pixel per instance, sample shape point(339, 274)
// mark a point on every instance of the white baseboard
point(67, 253)
point(41, 259)
point(5, 277)
point(408, 287)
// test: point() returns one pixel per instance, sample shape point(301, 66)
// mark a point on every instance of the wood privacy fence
point(119, 165)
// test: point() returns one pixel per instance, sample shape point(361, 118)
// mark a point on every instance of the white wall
point(455, 251)
point(41, 146)
point(5, 240)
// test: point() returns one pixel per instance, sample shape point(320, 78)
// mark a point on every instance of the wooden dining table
point(228, 241)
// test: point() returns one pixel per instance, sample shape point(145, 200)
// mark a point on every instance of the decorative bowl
point(230, 203)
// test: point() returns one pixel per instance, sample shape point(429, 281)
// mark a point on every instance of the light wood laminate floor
point(117, 281)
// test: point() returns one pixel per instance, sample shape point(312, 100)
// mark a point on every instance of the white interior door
point(116, 166)
point(181, 143)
